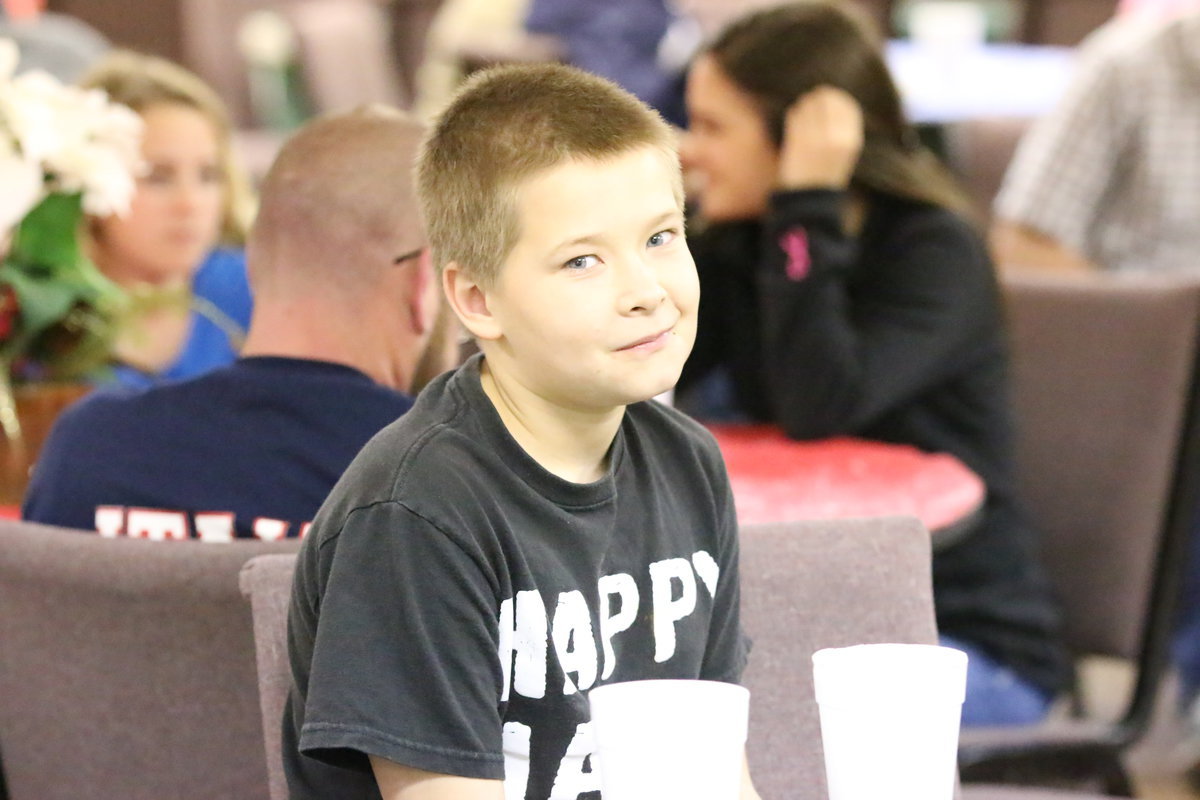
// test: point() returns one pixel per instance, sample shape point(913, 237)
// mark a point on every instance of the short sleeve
point(404, 663)
point(728, 646)
point(1062, 168)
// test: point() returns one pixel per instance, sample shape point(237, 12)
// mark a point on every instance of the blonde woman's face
point(175, 216)
point(730, 160)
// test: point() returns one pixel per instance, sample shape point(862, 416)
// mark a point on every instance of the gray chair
point(979, 151)
point(832, 583)
point(127, 667)
point(808, 585)
point(267, 581)
point(1108, 455)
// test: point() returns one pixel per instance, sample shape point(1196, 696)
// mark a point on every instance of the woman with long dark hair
point(845, 291)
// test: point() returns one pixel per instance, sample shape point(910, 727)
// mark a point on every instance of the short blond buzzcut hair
point(505, 125)
point(338, 207)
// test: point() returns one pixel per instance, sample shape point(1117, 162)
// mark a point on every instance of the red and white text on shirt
point(164, 525)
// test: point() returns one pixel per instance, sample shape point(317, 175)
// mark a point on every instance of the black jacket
point(893, 335)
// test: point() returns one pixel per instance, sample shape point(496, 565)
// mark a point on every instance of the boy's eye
point(662, 238)
point(580, 262)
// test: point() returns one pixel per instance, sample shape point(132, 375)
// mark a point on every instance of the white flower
point(75, 140)
point(22, 182)
point(103, 177)
point(32, 108)
point(9, 57)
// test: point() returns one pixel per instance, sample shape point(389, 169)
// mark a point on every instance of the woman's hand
point(822, 139)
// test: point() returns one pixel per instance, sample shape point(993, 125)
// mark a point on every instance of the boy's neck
point(571, 444)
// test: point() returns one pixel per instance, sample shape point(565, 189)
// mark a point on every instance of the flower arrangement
point(64, 152)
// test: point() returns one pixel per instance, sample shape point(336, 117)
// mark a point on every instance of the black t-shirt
point(454, 601)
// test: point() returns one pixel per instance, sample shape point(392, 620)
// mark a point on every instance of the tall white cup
point(659, 739)
point(890, 715)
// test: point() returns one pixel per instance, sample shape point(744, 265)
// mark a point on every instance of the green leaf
point(48, 236)
point(43, 302)
point(68, 309)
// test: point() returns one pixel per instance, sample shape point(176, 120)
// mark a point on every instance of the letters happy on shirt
point(528, 630)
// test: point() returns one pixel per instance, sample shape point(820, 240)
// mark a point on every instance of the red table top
point(776, 479)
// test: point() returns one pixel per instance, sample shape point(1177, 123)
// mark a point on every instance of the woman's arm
point(850, 334)
point(837, 356)
point(1019, 246)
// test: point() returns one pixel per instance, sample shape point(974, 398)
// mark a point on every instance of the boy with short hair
point(532, 528)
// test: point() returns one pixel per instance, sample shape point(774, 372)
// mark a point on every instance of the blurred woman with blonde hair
point(178, 251)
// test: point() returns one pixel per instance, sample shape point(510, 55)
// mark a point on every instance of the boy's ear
point(470, 302)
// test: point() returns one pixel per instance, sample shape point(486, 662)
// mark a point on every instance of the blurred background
point(276, 62)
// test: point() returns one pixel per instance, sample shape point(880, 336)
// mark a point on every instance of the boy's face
point(595, 305)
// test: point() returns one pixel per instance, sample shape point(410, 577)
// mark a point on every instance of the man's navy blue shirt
point(248, 450)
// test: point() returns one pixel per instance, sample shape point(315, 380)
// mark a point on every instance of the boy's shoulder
point(443, 449)
point(674, 438)
point(430, 438)
point(670, 424)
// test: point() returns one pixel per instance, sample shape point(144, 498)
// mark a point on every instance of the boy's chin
point(614, 397)
point(651, 390)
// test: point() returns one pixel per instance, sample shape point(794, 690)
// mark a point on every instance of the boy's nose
point(642, 291)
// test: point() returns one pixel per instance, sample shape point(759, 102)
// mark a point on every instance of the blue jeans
point(711, 399)
point(1186, 646)
point(995, 694)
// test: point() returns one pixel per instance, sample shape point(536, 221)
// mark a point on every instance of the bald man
point(346, 303)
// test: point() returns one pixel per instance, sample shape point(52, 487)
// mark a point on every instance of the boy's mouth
point(651, 342)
